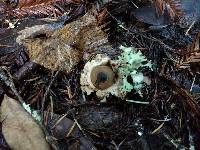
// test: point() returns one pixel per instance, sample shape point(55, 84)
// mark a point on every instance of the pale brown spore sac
point(102, 77)
point(63, 47)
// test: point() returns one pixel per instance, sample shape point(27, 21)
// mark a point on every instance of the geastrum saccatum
point(100, 76)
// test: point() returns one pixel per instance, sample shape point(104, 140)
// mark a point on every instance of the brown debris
point(64, 47)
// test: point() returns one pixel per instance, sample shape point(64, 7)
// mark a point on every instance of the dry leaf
point(19, 128)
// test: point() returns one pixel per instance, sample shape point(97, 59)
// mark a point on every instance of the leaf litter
point(63, 60)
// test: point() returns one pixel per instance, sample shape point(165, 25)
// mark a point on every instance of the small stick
point(47, 91)
point(192, 24)
point(192, 83)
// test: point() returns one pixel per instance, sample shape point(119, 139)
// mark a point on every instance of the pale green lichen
point(33, 113)
point(130, 63)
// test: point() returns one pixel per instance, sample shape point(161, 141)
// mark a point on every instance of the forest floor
point(100, 74)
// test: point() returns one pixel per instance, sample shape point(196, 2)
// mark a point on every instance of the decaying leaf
point(64, 47)
point(19, 128)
